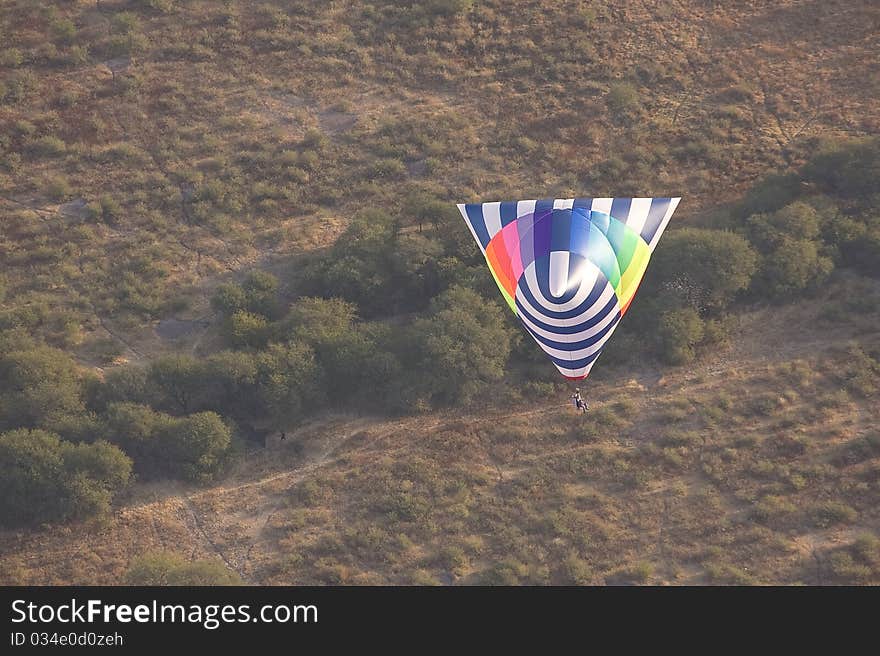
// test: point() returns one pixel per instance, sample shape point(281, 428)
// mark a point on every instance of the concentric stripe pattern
point(569, 268)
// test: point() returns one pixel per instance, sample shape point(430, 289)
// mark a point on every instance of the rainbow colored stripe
point(569, 268)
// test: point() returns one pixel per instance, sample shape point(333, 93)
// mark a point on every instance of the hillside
point(222, 224)
point(756, 466)
point(151, 148)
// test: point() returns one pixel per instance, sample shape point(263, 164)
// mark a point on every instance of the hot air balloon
point(569, 268)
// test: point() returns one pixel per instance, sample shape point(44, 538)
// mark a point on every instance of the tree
point(44, 478)
point(31, 485)
point(195, 447)
point(358, 267)
point(289, 382)
point(179, 380)
point(228, 299)
point(135, 428)
point(789, 240)
point(257, 295)
point(125, 383)
point(850, 169)
point(41, 386)
point(260, 289)
point(704, 268)
point(320, 320)
point(248, 329)
point(94, 473)
point(795, 265)
point(797, 220)
point(463, 345)
point(233, 380)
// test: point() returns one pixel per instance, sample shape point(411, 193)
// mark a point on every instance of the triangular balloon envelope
point(569, 268)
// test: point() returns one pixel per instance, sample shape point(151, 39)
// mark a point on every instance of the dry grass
point(634, 493)
point(222, 135)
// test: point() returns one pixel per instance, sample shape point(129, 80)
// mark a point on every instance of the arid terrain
point(749, 468)
point(153, 151)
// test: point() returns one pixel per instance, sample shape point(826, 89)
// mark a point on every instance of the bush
point(11, 57)
point(380, 270)
point(679, 331)
point(850, 169)
point(576, 571)
point(795, 266)
point(464, 344)
point(773, 510)
point(58, 189)
point(228, 299)
point(163, 569)
point(797, 220)
point(44, 478)
point(260, 289)
point(789, 241)
point(135, 429)
point(63, 30)
point(107, 209)
point(704, 268)
point(623, 98)
point(635, 574)
point(233, 386)
point(193, 448)
point(178, 381)
point(844, 566)
point(830, 513)
point(247, 329)
point(40, 387)
point(48, 146)
point(507, 572)
point(289, 383)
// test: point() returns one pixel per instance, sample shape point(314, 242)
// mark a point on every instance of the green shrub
point(44, 478)
point(773, 509)
point(290, 383)
point(11, 58)
point(107, 210)
point(39, 387)
point(850, 168)
point(63, 30)
point(48, 146)
point(164, 569)
point(635, 574)
point(623, 98)
point(796, 265)
point(195, 447)
point(464, 343)
point(843, 566)
point(725, 574)
point(704, 268)
point(831, 513)
point(679, 331)
point(228, 299)
point(178, 382)
point(576, 571)
point(58, 188)
point(248, 329)
point(507, 572)
point(387, 168)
